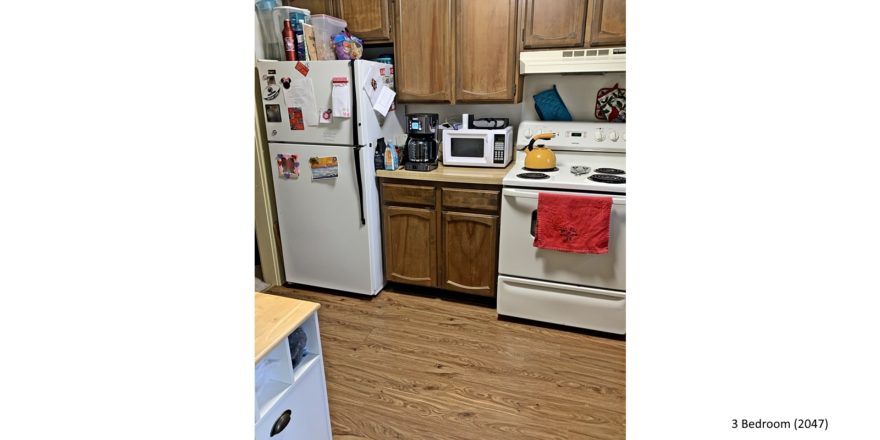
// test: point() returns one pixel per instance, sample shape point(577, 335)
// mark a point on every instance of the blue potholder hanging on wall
point(550, 107)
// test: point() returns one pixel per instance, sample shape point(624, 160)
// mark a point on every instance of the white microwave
point(478, 147)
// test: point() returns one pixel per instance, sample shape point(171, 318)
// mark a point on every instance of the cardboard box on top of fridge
point(325, 27)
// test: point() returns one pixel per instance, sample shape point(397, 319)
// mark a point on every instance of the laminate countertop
point(275, 317)
point(487, 176)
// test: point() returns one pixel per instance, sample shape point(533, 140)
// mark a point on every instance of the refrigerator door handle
point(357, 172)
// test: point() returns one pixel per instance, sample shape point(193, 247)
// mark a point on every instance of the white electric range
point(580, 290)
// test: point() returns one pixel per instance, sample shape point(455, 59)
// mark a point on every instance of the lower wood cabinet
point(411, 254)
point(469, 262)
point(439, 234)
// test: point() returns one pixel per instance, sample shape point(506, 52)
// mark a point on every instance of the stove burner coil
point(610, 171)
point(533, 176)
point(538, 169)
point(607, 178)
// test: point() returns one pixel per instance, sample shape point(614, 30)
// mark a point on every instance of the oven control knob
point(600, 135)
point(528, 134)
point(613, 136)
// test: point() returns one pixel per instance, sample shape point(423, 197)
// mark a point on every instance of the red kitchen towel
point(568, 223)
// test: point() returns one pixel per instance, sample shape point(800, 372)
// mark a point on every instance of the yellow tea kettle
point(540, 158)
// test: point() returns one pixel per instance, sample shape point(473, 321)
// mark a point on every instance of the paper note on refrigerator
point(384, 101)
point(301, 94)
point(341, 95)
point(380, 95)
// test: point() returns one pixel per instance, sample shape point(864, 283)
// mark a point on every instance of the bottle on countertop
point(379, 156)
point(391, 157)
point(289, 41)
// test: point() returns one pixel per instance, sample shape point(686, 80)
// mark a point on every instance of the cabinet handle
point(281, 423)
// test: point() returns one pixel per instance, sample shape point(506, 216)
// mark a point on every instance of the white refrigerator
point(330, 226)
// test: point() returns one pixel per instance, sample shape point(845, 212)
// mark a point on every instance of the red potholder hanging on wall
point(611, 104)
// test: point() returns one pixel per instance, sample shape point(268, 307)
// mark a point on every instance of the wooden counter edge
point(485, 176)
point(275, 317)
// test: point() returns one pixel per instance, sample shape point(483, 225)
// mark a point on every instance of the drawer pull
point(281, 423)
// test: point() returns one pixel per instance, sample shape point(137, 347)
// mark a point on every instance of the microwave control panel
point(499, 148)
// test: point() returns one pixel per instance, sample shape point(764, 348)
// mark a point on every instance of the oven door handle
point(534, 195)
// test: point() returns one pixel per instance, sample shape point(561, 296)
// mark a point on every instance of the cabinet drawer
point(470, 199)
point(420, 195)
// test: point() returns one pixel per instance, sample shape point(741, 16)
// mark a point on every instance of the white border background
point(128, 229)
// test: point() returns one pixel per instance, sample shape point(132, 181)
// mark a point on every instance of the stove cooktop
point(576, 171)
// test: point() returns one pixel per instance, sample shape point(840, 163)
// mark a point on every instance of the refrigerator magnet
point(273, 113)
point(302, 68)
point(271, 92)
point(324, 167)
point(296, 118)
point(285, 82)
point(341, 97)
point(288, 166)
point(326, 116)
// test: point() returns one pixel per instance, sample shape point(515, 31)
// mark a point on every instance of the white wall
point(578, 92)
point(446, 111)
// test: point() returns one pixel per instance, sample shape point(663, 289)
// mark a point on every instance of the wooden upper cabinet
point(486, 50)
point(423, 50)
point(606, 22)
point(368, 20)
point(554, 23)
point(314, 6)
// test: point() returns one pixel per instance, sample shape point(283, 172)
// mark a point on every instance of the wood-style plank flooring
point(405, 366)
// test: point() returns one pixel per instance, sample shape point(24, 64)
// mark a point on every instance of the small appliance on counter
point(475, 146)
point(421, 147)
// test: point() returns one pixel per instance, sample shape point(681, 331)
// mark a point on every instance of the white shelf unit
point(301, 390)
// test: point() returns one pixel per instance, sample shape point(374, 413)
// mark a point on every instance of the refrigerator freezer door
point(323, 241)
point(274, 77)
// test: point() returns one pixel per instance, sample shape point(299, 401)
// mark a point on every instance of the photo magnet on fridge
point(288, 166)
point(296, 118)
point(273, 113)
point(324, 167)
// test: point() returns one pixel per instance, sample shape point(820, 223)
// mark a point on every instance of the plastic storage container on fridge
point(270, 33)
point(326, 27)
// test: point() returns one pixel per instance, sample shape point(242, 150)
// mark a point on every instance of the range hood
point(606, 59)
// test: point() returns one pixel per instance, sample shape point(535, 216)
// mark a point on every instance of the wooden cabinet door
point(368, 20)
point(423, 50)
point(554, 23)
point(485, 50)
point(607, 23)
point(411, 245)
point(470, 251)
point(314, 6)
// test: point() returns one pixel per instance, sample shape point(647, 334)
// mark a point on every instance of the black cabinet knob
point(281, 423)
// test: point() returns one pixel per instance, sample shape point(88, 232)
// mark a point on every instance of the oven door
point(519, 258)
point(467, 149)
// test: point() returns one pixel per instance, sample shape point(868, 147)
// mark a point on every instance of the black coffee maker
point(421, 147)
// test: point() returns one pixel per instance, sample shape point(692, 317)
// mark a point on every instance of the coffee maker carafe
point(421, 148)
